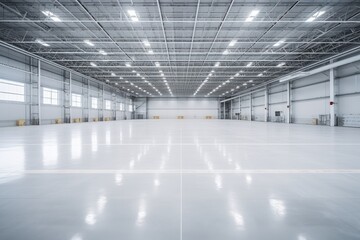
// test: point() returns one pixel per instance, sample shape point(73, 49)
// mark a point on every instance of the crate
point(76, 120)
point(208, 117)
point(156, 117)
point(20, 122)
point(314, 121)
point(58, 121)
point(107, 119)
point(180, 117)
point(95, 119)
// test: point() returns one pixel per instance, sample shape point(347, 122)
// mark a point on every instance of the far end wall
point(189, 108)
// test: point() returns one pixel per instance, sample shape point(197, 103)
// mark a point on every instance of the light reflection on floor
point(179, 179)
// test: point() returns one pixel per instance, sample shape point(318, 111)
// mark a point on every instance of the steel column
point(266, 104)
point(288, 101)
point(39, 90)
point(250, 106)
point(332, 98)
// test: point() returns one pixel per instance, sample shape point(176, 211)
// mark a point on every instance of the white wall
point(309, 98)
point(190, 108)
point(15, 67)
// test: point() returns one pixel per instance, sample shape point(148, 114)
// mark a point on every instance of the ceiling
point(202, 47)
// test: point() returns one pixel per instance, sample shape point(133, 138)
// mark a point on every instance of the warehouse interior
point(158, 119)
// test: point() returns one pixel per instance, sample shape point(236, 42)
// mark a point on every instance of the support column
point(288, 101)
point(332, 98)
point(224, 111)
point(101, 115)
point(250, 106)
point(146, 109)
point(239, 108)
point(39, 91)
point(88, 101)
point(231, 109)
point(67, 98)
point(70, 93)
point(266, 104)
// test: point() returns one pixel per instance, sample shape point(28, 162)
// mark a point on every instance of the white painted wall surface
point(190, 108)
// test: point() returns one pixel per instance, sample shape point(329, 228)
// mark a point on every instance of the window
point(107, 104)
point(130, 108)
point(76, 100)
point(122, 107)
point(94, 102)
point(12, 91)
point(50, 96)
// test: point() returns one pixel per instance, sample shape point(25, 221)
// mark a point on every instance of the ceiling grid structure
point(183, 48)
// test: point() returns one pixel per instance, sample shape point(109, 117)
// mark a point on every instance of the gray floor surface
point(179, 179)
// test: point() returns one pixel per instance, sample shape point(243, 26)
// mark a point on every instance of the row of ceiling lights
point(134, 17)
point(217, 64)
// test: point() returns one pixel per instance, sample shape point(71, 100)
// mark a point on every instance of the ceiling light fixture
point(133, 16)
point(232, 43)
point(252, 15)
point(93, 64)
point(127, 64)
point(88, 42)
point(146, 43)
point(279, 43)
point(42, 42)
point(51, 16)
point(249, 64)
point(102, 52)
point(280, 64)
point(315, 16)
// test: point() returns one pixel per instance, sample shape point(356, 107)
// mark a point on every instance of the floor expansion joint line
point(180, 171)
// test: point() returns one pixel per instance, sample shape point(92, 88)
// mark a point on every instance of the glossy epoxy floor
point(179, 179)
